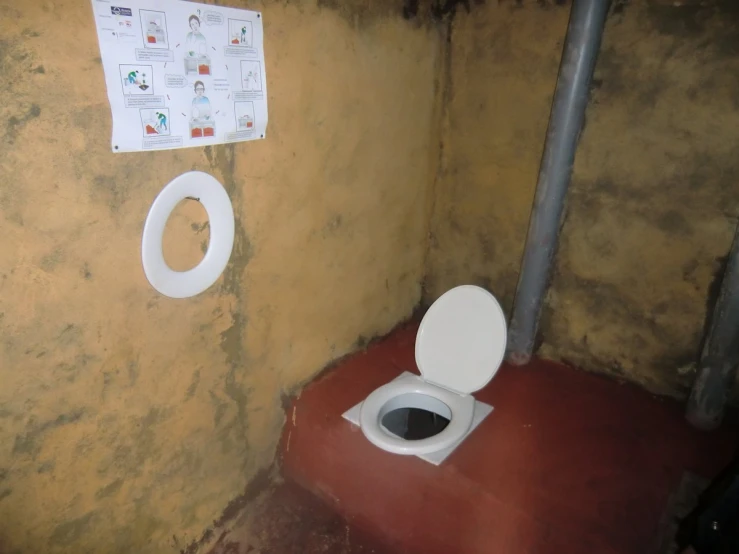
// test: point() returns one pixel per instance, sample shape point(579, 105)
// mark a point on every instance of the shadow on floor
point(287, 519)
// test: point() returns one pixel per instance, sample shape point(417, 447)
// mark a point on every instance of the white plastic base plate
point(482, 410)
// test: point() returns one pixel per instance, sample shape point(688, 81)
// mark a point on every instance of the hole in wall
point(186, 235)
point(415, 416)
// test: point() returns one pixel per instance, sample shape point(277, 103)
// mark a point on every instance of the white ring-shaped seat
point(215, 200)
point(380, 402)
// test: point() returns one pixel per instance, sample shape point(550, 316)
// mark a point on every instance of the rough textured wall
point(504, 60)
point(652, 206)
point(653, 201)
point(129, 421)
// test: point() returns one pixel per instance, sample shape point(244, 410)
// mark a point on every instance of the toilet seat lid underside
point(462, 339)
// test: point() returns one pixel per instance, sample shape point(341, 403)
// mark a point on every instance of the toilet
point(460, 346)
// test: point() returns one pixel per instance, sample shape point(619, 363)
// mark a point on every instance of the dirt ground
point(286, 519)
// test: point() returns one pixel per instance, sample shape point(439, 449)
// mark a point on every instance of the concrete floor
point(568, 462)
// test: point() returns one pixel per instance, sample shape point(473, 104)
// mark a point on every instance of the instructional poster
point(181, 74)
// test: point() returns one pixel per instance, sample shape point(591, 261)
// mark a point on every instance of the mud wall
point(503, 63)
point(653, 208)
point(652, 205)
point(128, 421)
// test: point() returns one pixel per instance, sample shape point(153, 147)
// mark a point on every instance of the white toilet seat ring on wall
point(380, 402)
point(210, 193)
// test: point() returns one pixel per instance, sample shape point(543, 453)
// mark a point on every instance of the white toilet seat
point(461, 341)
point(459, 348)
point(215, 200)
point(379, 403)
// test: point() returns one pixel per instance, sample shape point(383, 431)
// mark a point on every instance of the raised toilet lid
point(462, 339)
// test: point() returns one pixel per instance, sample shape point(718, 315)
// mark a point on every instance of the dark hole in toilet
point(414, 424)
point(414, 416)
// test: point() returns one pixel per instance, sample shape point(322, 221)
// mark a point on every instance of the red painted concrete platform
point(568, 462)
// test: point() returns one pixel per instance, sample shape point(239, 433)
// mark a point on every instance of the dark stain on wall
point(410, 9)
point(53, 259)
point(552, 3)
point(29, 443)
point(360, 343)
point(192, 389)
point(15, 124)
point(222, 159)
point(233, 339)
point(690, 18)
point(46, 467)
point(361, 14)
point(111, 190)
point(674, 223)
point(653, 175)
point(259, 483)
point(71, 531)
point(109, 489)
